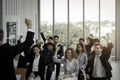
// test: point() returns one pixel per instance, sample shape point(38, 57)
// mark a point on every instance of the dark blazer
point(7, 53)
point(106, 51)
point(88, 49)
point(22, 63)
point(60, 52)
point(49, 59)
point(105, 63)
point(41, 66)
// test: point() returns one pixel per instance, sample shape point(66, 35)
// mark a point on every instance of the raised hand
point(104, 37)
point(107, 34)
point(28, 22)
point(91, 35)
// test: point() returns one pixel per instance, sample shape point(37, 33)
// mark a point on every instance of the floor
point(116, 70)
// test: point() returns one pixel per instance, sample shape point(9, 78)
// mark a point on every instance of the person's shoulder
point(75, 60)
point(6, 45)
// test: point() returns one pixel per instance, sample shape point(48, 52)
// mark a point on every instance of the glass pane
point(92, 18)
point(60, 28)
point(108, 22)
point(46, 17)
point(76, 21)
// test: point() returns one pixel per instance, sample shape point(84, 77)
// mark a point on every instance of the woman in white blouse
point(71, 65)
point(82, 58)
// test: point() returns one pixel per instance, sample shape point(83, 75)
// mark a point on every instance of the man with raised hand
point(8, 52)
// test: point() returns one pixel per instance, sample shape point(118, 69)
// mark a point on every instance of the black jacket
point(41, 66)
point(7, 53)
point(105, 63)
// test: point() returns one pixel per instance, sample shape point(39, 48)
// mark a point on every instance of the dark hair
point(36, 46)
point(56, 36)
point(99, 45)
point(1, 34)
point(82, 39)
point(96, 40)
point(81, 46)
point(50, 44)
point(50, 38)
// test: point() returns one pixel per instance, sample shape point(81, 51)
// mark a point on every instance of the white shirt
point(36, 63)
point(98, 69)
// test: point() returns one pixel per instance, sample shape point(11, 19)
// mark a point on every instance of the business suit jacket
point(49, 59)
point(60, 52)
point(41, 66)
point(22, 63)
point(7, 53)
point(106, 51)
point(105, 63)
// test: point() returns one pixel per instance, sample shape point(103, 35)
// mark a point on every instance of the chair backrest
point(22, 72)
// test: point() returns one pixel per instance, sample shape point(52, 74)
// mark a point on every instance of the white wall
point(18, 10)
point(0, 14)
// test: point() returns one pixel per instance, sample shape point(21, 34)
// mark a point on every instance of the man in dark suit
point(59, 54)
point(7, 53)
point(48, 54)
point(98, 67)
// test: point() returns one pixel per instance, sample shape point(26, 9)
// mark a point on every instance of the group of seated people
point(87, 62)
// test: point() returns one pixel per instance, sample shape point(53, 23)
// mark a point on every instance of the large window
point(107, 23)
point(91, 18)
point(76, 21)
point(46, 17)
point(60, 26)
point(73, 19)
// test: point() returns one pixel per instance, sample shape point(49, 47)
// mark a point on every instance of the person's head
point(1, 36)
point(96, 41)
point(50, 46)
point(56, 39)
point(36, 49)
point(98, 49)
point(38, 42)
point(69, 53)
point(50, 39)
point(81, 40)
point(79, 48)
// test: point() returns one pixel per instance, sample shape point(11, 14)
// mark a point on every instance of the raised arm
point(55, 56)
point(14, 50)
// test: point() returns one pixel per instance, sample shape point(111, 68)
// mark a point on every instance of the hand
point(32, 75)
point(104, 37)
point(28, 22)
point(67, 76)
point(91, 35)
point(57, 48)
point(27, 64)
point(71, 42)
point(21, 36)
point(108, 36)
point(87, 76)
